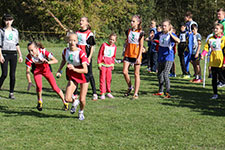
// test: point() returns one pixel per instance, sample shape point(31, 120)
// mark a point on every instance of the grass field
point(189, 120)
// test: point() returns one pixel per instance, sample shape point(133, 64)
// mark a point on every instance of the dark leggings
point(216, 72)
point(181, 48)
point(10, 58)
point(92, 80)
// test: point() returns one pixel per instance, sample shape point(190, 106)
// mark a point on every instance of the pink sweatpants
point(50, 78)
point(105, 75)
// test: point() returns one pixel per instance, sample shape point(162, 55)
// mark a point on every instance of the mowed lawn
point(189, 120)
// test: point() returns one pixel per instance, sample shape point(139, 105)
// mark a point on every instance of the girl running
point(167, 40)
point(41, 58)
point(132, 55)
point(106, 61)
point(86, 42)
point(217, 45)
point(76, 73)
point(9, 47)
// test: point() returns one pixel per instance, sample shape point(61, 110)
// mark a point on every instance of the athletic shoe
point(11, 96)
point(135, 96)
point(102, 97)
point(186, 76)
point(193, 80)
point(39, 105)
point(109, 95)
point(172, 75)
point(167, 95)
point(158, 94)
point(197, 81)
point(66, 106)
point(95, 97)
point(128, 91)
point(215, 96)
point(81, 116)
point(220, 84)
point(74, 107)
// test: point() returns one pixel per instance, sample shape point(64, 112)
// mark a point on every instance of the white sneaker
point(215, 96)
point(81, 116)
point(95, 97)
point(74, 106)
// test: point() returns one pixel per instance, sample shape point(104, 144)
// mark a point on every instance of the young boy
point(195, 57)
point(181, 48)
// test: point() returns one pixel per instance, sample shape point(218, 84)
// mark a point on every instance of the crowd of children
point(162, 43)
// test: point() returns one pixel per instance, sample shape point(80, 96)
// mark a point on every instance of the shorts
point(130, 60)
point(195, 59)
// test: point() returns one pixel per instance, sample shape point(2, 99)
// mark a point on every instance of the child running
point(217, 45)
point(196, 56)
point(167, 40)
point(76, 73)
point(106, 61)
point(86, 42)
point(132, 55)
point(41, 58)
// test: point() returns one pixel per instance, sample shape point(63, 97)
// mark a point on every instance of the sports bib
point(109, 51)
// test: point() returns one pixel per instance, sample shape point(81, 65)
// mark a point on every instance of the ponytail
point(37, 44)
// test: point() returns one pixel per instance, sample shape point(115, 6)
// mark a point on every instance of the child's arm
point(140, 50)
point(114, 57)
point(206, 49)
point(20, 54)
point(62, 64)
point(28, 78)
point(175, 38)
point(53, 60)
point(78, 70)
point(91, 53)
point(198, 50)
point(100, 57)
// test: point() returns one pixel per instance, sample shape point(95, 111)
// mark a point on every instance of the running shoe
point(186, 76)
point(210, 75)
point(95, 97)
point(81, 116)
point(135, 96)
point(198, 81)
point(220, 84)
point(128, 91)
point(39, 105)
point(74, 106)
point(66, 106)
point(109, 95)
point(167, 95)
point(215, 96)
point(158, 94)
point(102, 97)
point(11, 96)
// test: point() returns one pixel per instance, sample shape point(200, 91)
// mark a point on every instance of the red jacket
point(107, 55)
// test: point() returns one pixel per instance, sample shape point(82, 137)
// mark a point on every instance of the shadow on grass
point(12, 113)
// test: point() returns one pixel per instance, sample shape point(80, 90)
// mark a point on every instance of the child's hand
point(58, 75)
point(44, 61)
point(30, 84)
point(2, 59)
point(112, 67)
point(196, 55)
point(70, 67)
point(202, 57)
point(20, 59)
point(99, 68)
point(138, 61)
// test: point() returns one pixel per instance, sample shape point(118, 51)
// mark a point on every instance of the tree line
point(106, 16)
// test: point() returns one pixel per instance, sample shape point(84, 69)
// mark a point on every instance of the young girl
point(106, 61)
point(132, 55)
point(86, 43)
point(9, 46)
point(76, 73)
point(217, 45)
point(167, 40)
point(41, 59)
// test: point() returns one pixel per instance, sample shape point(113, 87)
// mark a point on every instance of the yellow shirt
point(217, 45)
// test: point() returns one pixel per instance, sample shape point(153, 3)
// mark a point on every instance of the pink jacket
point(107, 55)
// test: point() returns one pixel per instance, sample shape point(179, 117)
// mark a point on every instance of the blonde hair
point(139, 19)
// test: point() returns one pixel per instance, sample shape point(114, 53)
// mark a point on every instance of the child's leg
point(166, 71)
point(214, 79)
point(102, 79)
point(70, 88)
point(195, 68)
point(83, 93)
point(155, 62)
point(108, 79)
point(92, 79)
point(137, 78)
point(161, 67)
point(50, 78)
point(38, 81)
point(125, 73)
point(198, 69)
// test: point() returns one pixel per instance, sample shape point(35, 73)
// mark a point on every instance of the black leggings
point(91, 79)
point(11, 58)
point(216, 72)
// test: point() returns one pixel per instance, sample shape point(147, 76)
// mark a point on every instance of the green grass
point(189, 120)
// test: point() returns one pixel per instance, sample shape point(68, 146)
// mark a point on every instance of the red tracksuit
point(42, 69)
point(106, 60)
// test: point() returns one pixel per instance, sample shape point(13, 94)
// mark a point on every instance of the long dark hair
point(37, 44)
point(6, 17)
